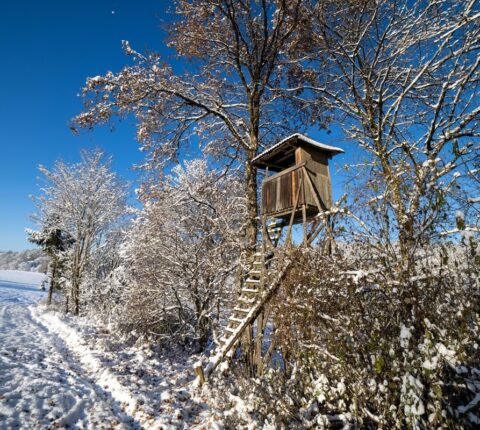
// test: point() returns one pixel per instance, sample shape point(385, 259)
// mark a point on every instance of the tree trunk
point(75, 294)
point(252, 212)
point(406, 243)
point(79, 262)
point(251, 174)
point(52, 282)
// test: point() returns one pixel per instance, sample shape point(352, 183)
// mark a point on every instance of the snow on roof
point(327, 148)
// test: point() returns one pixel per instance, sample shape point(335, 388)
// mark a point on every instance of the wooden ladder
point(250, 292)
point(260, 285)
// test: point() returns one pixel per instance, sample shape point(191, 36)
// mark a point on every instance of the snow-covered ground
point(41, 383)
point(62, 372)
point(20, 287)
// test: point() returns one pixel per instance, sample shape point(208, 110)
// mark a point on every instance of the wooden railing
point(280, 191)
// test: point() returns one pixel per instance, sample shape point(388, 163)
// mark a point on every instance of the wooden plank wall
point(279, 192)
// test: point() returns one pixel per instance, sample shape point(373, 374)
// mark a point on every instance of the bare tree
point(237, 53)
point(396, 311)
point(403, 79)
point(86, 198)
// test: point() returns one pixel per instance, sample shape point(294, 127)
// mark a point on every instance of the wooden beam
point(304, 219)
point(257, 355)
point(284, 172)
point(264, 164)
point(292, 217)
point(321, 206)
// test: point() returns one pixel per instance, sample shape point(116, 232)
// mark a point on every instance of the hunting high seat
point(298, 192)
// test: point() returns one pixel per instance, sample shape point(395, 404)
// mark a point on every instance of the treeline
point(31, 260)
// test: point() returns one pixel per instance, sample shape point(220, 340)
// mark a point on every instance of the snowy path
point(42, 384)
point(59, 371)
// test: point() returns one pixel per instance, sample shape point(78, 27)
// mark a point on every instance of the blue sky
point(47, 50)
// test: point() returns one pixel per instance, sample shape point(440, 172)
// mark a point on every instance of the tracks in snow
point(43, 384)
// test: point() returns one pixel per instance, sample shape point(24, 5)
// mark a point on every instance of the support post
point(199, 372)
point(314, 233)
point(304, 216)
point(292, 216)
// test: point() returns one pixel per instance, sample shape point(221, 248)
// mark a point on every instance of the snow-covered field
point(20, 287)
point(61, 372)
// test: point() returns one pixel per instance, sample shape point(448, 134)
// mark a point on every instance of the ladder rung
point(245, 311)
point(238, 320)
point(230, 330)
point(252, 281)
point(255, 272)
point(249, 290)
point(224, 339)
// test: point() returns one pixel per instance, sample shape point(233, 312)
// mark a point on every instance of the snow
point(41, 383)
point(328, 148)
point(21, 287)
point(405, 335)
point(60, 371)
point(22, 277)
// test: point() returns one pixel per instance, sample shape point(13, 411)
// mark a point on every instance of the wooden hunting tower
point(300, 187)
point(299, 191)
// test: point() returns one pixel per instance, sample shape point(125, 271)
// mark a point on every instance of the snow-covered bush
point(104, 278)
point(364, 347)
point(182, 254)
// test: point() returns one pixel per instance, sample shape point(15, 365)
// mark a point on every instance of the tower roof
point(276, 155)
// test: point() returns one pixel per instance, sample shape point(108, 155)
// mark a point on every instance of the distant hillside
point(31, 260)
